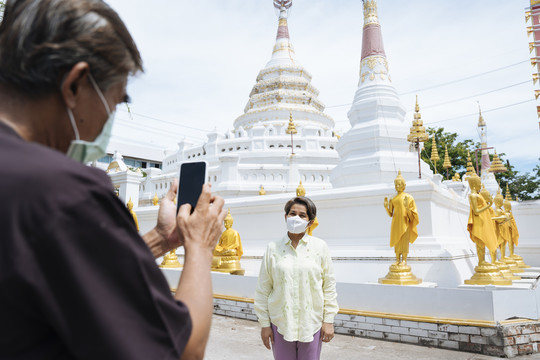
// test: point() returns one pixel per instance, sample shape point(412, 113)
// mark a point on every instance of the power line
point(447, 83)
point(483, 111)
point(166, 121)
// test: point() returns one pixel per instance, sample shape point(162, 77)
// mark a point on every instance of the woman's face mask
point(296, 225)
point(87, 151)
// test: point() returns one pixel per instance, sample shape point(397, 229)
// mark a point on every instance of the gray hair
point(41, 40)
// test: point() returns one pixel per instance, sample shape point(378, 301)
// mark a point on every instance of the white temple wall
point(527, 215)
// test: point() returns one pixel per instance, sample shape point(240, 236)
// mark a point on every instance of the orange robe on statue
point(481, 227)
point(403, 230)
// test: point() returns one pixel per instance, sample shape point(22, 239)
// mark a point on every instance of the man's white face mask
point(87, 151)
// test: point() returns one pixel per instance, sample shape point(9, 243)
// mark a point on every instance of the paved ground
point(235, 339)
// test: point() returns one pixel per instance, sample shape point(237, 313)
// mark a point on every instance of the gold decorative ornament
point(482, 233)
point(470, 168)
point(300, 190)
point(417, 133)
point(130, 209)
point(496, 165)
point(155, 200)
point(402, 209)
point(291, 129)
point(434, 153)
point(370, 13)
point(446, 163)
point(262, 191)
point(228, 250)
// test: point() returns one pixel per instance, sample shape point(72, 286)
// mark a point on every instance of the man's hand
point(327, 332)
point(202, 228)
point(166, 223)
point(267, 336)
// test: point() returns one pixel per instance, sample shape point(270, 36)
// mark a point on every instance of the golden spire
point(418, 131)
point(291, 129)
point(262, 191)
point(481, 121)
point(496, 165)
point(470, 168)
point(370, 12)
point(155, 200)
point(446, 164)
point(434, 153)
point(300, 190)
point(508, 196)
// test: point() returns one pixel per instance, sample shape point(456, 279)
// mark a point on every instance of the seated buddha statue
point(228, 250)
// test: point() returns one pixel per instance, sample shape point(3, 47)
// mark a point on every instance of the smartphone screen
point(192, 178)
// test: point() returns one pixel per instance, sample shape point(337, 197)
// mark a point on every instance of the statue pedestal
point(519, 261)
point(487, 274)
point(511, 262)
point(400, 274)
point(506, 271)
point(227, 264)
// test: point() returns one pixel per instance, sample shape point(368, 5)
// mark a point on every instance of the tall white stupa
point(376, 146)
point(488, 178)
point(261, 152)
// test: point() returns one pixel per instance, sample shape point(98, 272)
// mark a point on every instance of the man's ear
point(73, 82)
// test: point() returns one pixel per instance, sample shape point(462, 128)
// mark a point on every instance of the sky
point(202, 58)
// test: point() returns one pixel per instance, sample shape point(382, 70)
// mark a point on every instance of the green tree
point(457, 151)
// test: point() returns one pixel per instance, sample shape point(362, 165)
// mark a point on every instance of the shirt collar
point(5, 128)
point(304, 238)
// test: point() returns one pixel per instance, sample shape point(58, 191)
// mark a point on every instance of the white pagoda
point(282, 138)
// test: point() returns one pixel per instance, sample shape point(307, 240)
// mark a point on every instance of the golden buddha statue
point(170, 260)
point(514, 237)
point(482, 233)
point(456, 177)
point(228, 250)
point(262, 191)
point(130, 209)
point(402, 209)
point(155, 200)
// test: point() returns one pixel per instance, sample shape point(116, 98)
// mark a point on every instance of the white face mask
point(296, 225)
point(87, 151)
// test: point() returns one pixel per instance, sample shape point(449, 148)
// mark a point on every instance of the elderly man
point(76, 279)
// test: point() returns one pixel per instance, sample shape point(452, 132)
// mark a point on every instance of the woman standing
point(295, 299)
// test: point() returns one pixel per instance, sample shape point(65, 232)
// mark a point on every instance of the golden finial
point(446, 164)
point(370, 12)
point(508, 196)
point(417, 132)
point(155, 200)
point(481, 121)
point(291, 129)
point(300, 190)
point(434, 153)
point(496, 165)
point(262, 191)
point(470, 168)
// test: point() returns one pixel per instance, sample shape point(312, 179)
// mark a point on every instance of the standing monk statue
point(402, 209)
point(482, 232)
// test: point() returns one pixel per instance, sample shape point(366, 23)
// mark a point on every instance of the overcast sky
point(202, 58)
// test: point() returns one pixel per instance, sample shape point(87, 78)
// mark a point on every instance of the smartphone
point(192, 178)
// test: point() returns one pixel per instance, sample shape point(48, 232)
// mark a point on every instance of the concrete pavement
point(236, 339)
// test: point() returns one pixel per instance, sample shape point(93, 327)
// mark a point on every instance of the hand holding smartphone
point(191, 180)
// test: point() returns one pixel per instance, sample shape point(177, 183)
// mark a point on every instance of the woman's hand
point(267, 336)
point(327, 332)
